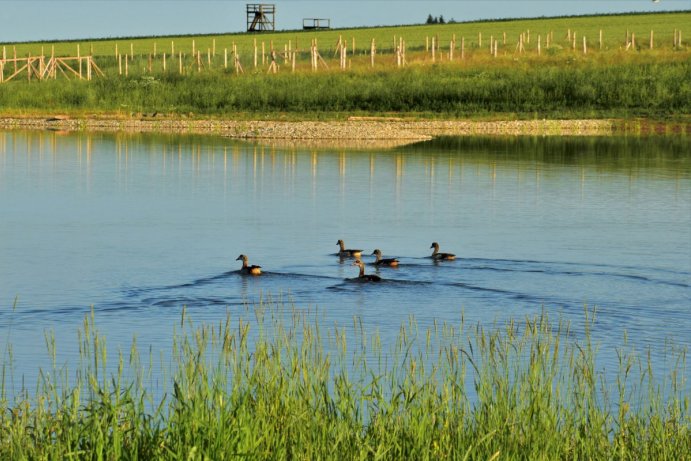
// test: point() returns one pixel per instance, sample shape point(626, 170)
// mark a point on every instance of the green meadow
point(274, 382)
point(619, 77)
point(614, 29)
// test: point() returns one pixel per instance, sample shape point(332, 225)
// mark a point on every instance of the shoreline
point(366, 131)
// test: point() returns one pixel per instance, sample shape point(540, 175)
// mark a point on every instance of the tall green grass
point(284, 386)
point(564, 88)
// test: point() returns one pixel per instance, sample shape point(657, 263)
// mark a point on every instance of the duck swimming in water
point(392, 262)
point(344, 253)
point(441, 256)
point(365, 277)
point(246, 268)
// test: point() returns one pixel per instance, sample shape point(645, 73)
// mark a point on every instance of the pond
point(139, 226)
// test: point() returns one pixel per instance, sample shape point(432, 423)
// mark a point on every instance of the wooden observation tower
point(260, 17)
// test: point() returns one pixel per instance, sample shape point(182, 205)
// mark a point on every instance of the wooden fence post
point(255, 53)
point(600, 41)
point(539, 44)
point(79, 57)
point(372, 52)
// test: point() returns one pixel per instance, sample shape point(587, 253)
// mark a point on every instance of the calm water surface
point(140, 225)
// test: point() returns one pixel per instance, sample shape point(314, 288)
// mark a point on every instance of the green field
point(562, 81)
point(285, 386)
point(614, 30)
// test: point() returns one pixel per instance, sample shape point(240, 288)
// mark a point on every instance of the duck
point(392, 262)
point(347, 253)
point(365, 277)
point(246, 268)
point(441, 256)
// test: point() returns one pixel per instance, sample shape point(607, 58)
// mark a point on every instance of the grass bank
point(623, 66)
point(284, 386)
point(558, 89)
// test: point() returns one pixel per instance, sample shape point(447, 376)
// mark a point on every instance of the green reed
point(276, 383)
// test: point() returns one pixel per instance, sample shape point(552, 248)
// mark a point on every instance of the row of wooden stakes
point(84, 67)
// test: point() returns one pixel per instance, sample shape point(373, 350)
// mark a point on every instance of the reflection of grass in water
point(295, 389)
point(615, 153)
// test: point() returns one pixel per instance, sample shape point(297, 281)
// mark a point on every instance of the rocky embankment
point(357, 130)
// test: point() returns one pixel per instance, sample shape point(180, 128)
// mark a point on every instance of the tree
point(441, 19)
point(430, 19)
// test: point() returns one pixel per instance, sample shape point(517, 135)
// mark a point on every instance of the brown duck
point(246, 268)
point(441, 256)
point(392, 262)
point(347, 253)
point(365, 277)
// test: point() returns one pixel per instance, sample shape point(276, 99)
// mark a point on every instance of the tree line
point(438, 20)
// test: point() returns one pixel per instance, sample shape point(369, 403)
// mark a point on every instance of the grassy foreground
point(286, 387)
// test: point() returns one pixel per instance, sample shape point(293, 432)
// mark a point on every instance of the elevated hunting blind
point(260, 17)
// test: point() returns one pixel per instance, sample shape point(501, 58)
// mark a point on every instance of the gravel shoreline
point(356, 130)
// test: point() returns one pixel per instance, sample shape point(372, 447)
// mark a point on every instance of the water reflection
point(448, 156)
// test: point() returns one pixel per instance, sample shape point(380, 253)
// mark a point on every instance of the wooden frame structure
point(38, 68)
point(261, 17)
point(316, 23)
